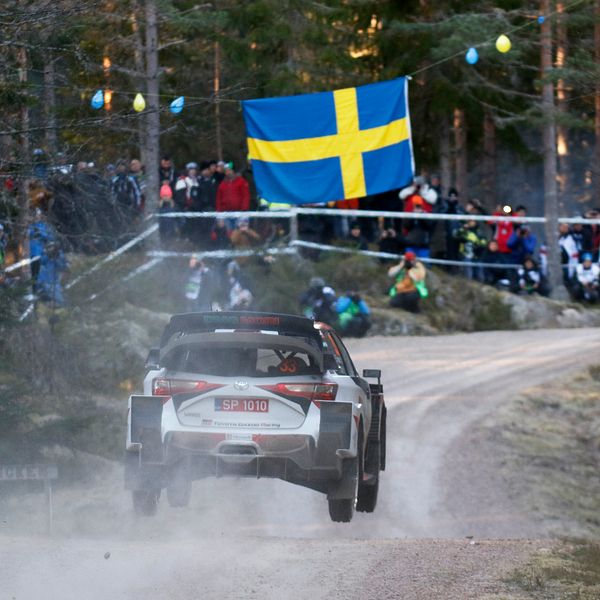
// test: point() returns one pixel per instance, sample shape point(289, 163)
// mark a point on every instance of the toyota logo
point(241, 385)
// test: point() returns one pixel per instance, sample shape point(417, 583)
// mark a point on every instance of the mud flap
point(335, 431)
point(146, 419)
point(347, 486)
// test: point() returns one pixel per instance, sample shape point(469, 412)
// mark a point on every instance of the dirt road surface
point(446, 525)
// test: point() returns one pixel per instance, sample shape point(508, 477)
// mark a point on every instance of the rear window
point(240, 362)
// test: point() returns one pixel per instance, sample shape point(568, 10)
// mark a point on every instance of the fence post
point(293, 226)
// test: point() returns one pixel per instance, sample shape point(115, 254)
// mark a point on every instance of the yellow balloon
point(139, 104)
point(503, 44)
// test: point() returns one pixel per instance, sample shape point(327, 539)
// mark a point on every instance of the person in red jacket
point(233, 192)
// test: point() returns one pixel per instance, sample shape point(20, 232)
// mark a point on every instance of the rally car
point(258, 395)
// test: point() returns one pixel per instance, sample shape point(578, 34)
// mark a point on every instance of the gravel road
point(445, 527)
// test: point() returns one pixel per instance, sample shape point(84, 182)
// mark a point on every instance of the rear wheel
point(145, 502)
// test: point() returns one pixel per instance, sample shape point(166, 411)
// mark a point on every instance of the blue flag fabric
point(327, 146)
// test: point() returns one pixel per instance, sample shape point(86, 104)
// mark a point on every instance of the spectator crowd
point(78, 207)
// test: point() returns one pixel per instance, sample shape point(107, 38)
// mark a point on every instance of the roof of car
point(199, 322)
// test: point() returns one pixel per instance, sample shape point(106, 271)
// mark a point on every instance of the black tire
point(145, 502)
point(179, 490)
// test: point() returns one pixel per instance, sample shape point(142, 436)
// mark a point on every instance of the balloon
point(139, 104)
point(541, 19)
point(98, 100)
point(503, 44)
point(177, 105)
point(472, 56)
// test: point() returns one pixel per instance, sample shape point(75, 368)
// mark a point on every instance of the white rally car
point(258, 395)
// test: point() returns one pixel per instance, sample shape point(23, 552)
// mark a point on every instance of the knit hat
point(229, 165)
point(191, 165)
point(166, 191)
point(409, 255)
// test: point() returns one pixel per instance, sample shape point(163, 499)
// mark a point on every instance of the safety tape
point(220, 253)
point(134, 273)
point(340, 212)
point(114, 254)
point(21, 263)
point(433, 261)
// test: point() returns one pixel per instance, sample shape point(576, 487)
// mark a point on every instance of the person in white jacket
point(587, 280)
point(419, 188)
point(569, 253)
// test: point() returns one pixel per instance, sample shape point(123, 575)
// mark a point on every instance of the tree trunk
point(25, 163)
point(596, 162)
point(217, 89)
point(445, 156)
point(550, 171)
point(562, 138)
point(140, 67)
point(153, 103)
point(50, 104)
point(460, 150)
point(489, 161)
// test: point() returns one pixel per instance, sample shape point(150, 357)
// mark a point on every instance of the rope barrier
point(341, 212)
point(433, 261)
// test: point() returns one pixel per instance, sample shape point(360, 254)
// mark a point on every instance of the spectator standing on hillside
point(353, 315)
point(522, 243)
point(355, 237)
point(568, 252)
point(503, 229)
point(496, 276)
point(244, 238)
point(220, 236)
point(471, 245)
point(167, 226)
point(587, 280)
point(186, 187)
point(389, 242)
point(199, 286)
point(136, 170)
point(419, 189)
point(204, 200)
point(417, 232)
point(126, 198)
point(3, 244)
point(409, 286)
point(591, 233)
point(40, 233)
point(233, 193)
point(49, 281)
point(530, 279)
point(318, 301)
point(167, 172)
point(451, 206)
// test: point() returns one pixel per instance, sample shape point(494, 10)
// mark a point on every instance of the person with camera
point(353, 315)
point(522, 243)
point(409, 286)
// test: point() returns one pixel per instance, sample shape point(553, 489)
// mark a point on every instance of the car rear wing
point(291, 325)
point(246, 340)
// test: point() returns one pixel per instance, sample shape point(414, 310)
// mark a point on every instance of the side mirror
point(152, 361)
point(372, 373)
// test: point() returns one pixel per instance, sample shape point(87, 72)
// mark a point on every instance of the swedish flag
point(327, 146)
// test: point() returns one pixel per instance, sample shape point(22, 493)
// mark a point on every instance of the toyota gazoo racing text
point(257, 395)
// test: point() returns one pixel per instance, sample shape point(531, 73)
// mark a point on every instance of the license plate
point(255, 405)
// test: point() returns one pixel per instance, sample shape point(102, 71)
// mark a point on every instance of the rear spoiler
point(251, 321)
point(247, 340)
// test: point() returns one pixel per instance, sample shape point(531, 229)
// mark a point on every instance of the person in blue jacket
point(40, 233)
point(49, 281)
point(353, 315)
point(522, 243)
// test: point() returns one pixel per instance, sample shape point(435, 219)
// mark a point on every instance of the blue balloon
point(541, 20)
point(472, 56)
point(177, 105)
point(98, 100)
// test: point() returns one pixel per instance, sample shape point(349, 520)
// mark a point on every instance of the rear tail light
point(167, 387)
point(315, 392)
